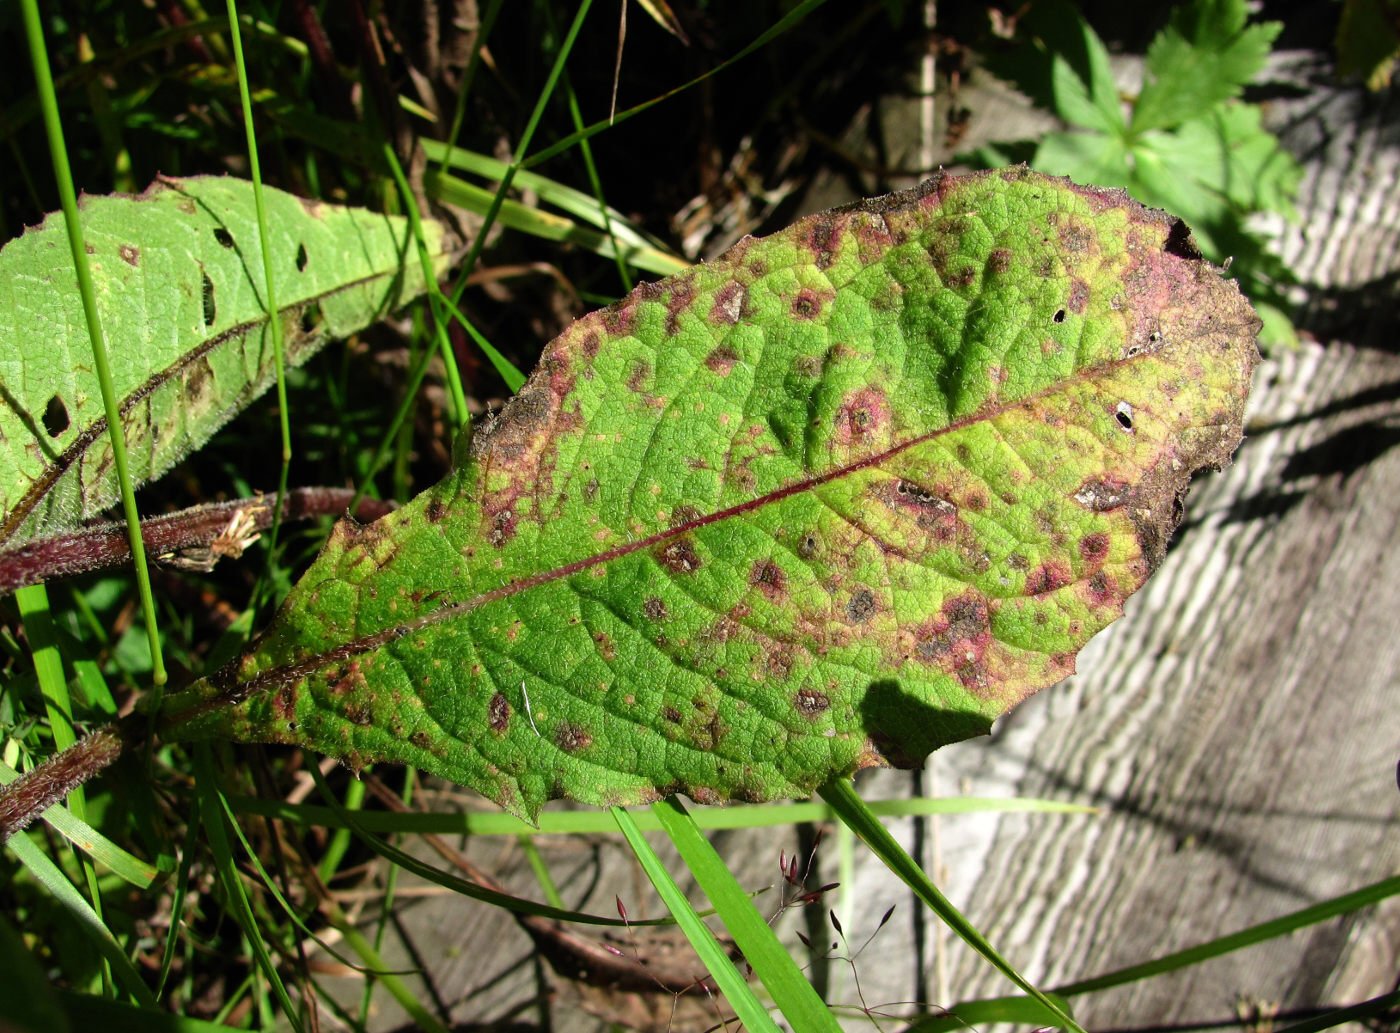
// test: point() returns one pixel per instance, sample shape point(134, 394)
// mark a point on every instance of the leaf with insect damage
point(838, 498)
point(178, 273)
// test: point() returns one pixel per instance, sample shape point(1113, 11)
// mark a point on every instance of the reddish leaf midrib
point(291, 673)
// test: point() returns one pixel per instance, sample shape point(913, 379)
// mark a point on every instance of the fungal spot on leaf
point(957, 640)
point(1124, 414)
point(55, 417)
point(435, 511)
point(684, 514)
point(860, 606)
point(807, 547)
point(1078, 296)
point(130, 254)
point(1100, 591)
point(823, 240)
point(638, 376)
point(769, 579)
point(916, 496)
point(1093, 547)
point(999, 261)
point(421, 739)
point(1048, 577)
point(863, 414)
point(729, 304)
point(207, 298)
point(301, 258)
point(682, 294)
point(224, 237)
point(721, 359)
point(672, 714)
point(499, 713)
point(811, 703)
point(359, 714)
point(590, 345)
point(680, 557)
point(571, 738)
point(606, 649)
point(807, 304)
point(1102, 494)
point(655, 609)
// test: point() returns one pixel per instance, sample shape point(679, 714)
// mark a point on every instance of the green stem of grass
point(520, 149)
point(274, 316)
point(456, 393)
point(63, 177)
point(851, 809)
point(771, 962)
point(738, 992)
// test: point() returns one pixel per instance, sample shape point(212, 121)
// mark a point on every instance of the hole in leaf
point(301, 258)
point(207, 297)
point(223, 236)
point(311, 318)
point(56, 417)
point(1059, 316)
point(1124, 414)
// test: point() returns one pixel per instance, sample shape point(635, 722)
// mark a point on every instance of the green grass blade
point(47, 874)
point(274, 322)
point(88, 1012)
point(587, 822)
point(1373, 1008)
point(512, 376)
point(548, 226)
point(851, 809)
point(738, 992)
point(771, 962)
point(525, 139)
point(132, 869)
point(212, 808)
point(779, 27)
point(974, 1014)
point(1275, 927)
point(63, 176)
point(415, 222)
point(468, 889)
point(33, 601)
point(584, 207)
point(37, 1008)
point(353, 937)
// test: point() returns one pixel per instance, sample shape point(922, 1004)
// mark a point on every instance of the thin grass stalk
point(489, 219)
point(453, 376)
point(274, 317)
point(34, 610)
point(851, 809)
point(1254, 934)
point(63, 177)
point(736, 991)
point(771, 962)
point(785, 23)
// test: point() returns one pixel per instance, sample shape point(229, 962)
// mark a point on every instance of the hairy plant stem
point(199, 527)
point(37, 790)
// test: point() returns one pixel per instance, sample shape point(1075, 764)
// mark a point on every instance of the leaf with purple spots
point(843, 496)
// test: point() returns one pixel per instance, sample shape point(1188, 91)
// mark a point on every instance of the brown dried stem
point(200, 527)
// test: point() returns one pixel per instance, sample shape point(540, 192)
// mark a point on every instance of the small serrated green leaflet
point(177, 270)
point(834, 500)
point(1205, 56)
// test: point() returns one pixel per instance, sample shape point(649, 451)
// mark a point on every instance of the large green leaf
point(838, 498)
point(178, 272)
